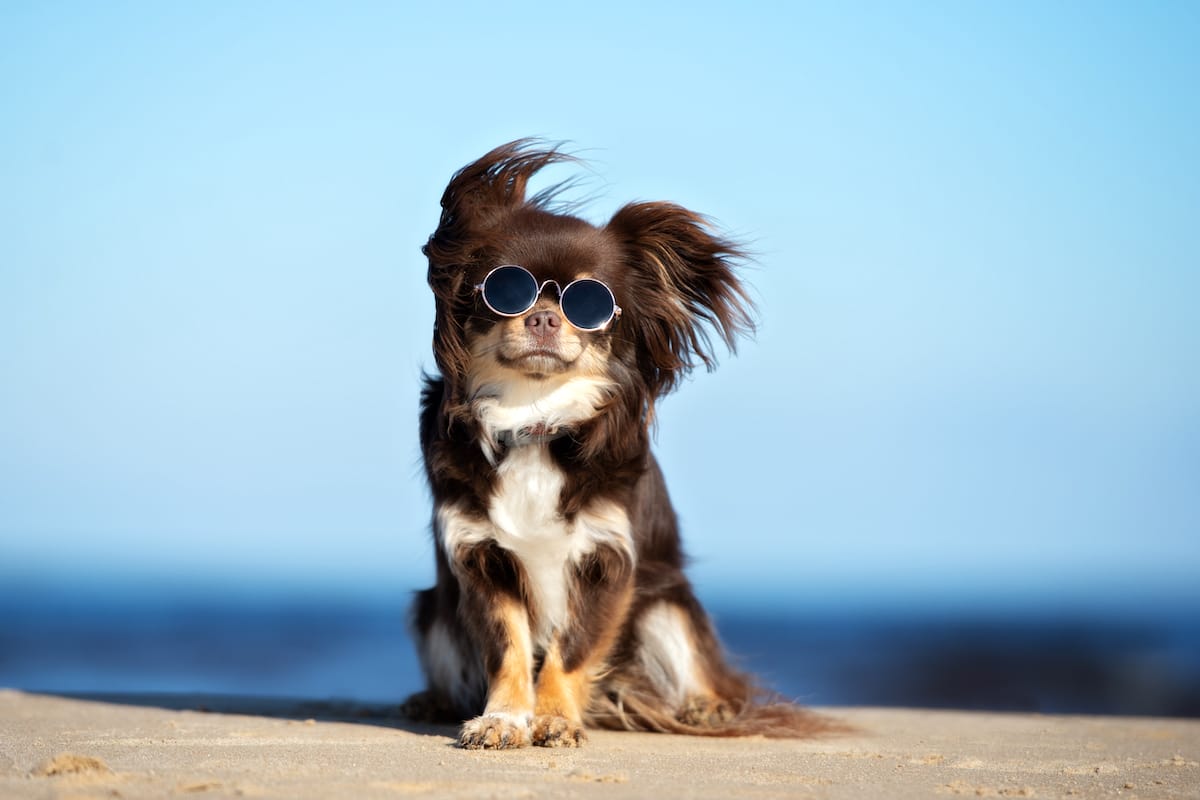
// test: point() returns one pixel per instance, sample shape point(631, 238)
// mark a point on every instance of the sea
point(117, 639)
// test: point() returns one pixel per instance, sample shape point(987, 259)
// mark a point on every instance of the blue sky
point(977, 227)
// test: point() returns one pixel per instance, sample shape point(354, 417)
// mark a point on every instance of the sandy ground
point(135, 747)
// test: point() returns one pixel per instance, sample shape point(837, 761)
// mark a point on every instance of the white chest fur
point(525, 514)
point(510, 404)
point(524, 518)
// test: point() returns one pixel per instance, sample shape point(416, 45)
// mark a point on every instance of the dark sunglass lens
point(587, 304)
point(510, 290)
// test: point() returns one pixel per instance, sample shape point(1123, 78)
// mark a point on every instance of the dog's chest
point(525, 503)
point(524, 510)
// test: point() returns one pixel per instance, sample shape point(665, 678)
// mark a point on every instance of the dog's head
point(671, 278)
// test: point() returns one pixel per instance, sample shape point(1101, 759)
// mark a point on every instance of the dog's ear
point(481, 193)
point(683, 286)
point(474, 207)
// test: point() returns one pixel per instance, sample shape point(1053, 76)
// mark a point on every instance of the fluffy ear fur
point(681, 275)
point(474, 206)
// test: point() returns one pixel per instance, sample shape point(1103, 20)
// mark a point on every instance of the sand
point(152, 747)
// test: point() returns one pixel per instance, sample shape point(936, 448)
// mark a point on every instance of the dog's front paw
point(550, 730)
point(494, 732)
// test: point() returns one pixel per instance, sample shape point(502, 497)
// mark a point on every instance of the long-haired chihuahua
point(560, 600)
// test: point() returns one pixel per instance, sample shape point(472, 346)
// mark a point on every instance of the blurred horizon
point(976, 379)
point(318, 646)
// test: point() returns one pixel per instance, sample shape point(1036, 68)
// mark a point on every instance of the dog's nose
point(543, 323)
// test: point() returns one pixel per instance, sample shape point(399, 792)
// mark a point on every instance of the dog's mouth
point(537, 359)
point(537, 356)
point(542, 351)
point(514, 347)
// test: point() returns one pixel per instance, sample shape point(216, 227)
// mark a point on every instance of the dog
point(560, 600)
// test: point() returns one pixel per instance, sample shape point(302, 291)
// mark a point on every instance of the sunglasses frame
point(541, 287)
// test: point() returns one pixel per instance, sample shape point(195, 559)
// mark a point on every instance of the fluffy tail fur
point(629, 703)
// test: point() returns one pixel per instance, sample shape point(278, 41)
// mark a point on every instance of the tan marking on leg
point(561, 698)
point(511, 689)
point(506, 719)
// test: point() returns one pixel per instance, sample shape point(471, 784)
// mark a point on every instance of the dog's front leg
point(492, 608)
point(601, 590)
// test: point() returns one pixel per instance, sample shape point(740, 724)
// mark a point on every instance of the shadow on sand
point(383, 715)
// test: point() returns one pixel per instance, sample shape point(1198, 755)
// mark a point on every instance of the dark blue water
point(109, 639)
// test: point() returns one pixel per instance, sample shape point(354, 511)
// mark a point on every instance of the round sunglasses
point(510, 291)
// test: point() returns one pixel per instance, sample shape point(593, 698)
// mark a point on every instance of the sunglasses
point(510, 291)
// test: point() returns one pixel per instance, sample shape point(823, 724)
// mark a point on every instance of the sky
point(977, 267)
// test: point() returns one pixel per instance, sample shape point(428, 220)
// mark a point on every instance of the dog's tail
point(628, 702)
